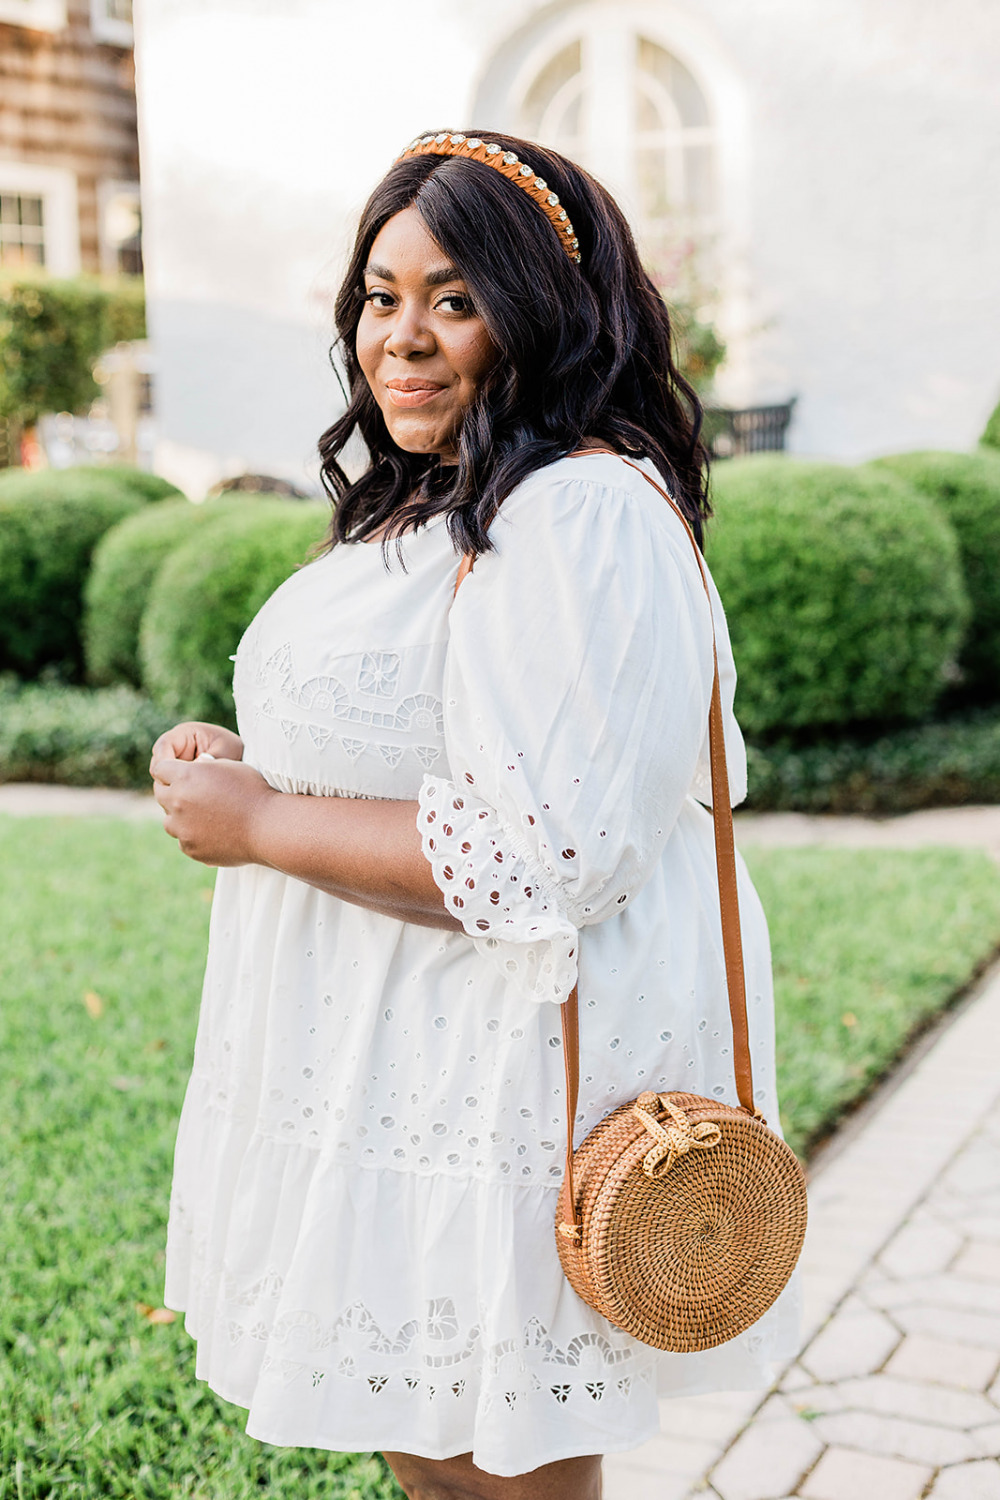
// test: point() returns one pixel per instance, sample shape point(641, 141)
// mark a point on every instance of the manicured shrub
point(125, 563)
point(205, 596)
point(45, 485)
point(77, 736)
point(140, 482)
point(941, 764)
point(991, 432)
point(50, 522)
point(843, 591)
point(51, 333)
point(967, 487)
point(102, 737)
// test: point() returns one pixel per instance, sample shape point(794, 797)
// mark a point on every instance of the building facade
point(69, 156)
point(824, 182)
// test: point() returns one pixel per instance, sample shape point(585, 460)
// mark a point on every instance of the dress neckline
point(376, 541)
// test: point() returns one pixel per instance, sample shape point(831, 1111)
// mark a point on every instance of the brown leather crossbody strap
point(725, 859)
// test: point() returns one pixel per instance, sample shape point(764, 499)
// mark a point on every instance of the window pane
point(130, 258)
point(571, 121)
point(651, 168)
point(647, 115)
point(676, 80)
point(699, 174)
point(551, 110)
point(122, 232)
point(674, 147)
point(31, 211)
point(21, 233)
point(14, 256)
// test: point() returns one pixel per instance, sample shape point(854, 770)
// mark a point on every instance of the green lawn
point(103, 939)
point(867, 945)
point(94, 1398)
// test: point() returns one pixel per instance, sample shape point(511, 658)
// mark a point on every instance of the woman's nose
point(409, 334)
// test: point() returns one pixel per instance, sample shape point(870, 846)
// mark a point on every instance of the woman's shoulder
point(590, 495)
point(597, 469)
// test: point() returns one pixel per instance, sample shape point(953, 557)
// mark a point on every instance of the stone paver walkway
point(36, 799)
point(896, 1393)
point(971, 827)
point(977, 827)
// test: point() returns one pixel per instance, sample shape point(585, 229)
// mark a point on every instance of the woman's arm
point(367, 852)
point(576, 694)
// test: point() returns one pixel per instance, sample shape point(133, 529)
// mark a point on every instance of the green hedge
point(843, 591)
point(140, 482)
point(967, 486)
point(51, 333)
point(48, 484)
point(76, 736)
point(102, 737)
point(205, 596)
point(991, 432)
point(940, 764)
point(125, 564)
point(50, 522)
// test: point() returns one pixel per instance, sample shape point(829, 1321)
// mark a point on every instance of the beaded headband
point(505, 162)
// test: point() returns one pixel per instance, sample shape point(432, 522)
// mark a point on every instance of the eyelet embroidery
point(509, 907)
point(434, 1356)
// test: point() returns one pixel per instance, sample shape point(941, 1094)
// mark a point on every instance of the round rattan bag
point(689, 1218)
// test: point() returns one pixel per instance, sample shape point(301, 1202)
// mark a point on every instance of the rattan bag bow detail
point(674, 1137)
point(681, 1219)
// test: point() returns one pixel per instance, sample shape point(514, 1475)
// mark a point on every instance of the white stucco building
point(838, 167)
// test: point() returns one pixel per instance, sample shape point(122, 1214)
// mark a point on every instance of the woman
point(437, 815)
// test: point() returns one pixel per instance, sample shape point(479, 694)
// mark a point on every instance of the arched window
point(673, 146)
point(632, 112)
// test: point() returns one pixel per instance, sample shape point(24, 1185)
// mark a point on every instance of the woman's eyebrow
point(433, 278)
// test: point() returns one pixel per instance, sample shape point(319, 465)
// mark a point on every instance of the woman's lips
point(417, 393)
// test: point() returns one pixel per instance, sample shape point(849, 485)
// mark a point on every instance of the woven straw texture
point(683, 1248)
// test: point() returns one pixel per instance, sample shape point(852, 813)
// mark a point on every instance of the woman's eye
point(379, 299)
point(456, 302)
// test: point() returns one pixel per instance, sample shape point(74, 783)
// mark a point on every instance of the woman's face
point(422, 346)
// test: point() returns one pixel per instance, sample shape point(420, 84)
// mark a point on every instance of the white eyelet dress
point(371, 1146)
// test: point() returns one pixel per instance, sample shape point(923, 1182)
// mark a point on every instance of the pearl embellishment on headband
point(506, 163)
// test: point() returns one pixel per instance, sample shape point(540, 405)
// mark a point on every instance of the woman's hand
point(222, 812)
point(188, 741)
point(211, 806)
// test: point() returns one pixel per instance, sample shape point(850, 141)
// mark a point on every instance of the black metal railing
point(729, 432)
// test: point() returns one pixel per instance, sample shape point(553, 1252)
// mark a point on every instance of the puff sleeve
point(577, 687)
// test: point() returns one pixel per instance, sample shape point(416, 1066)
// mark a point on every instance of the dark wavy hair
point(584, 352)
